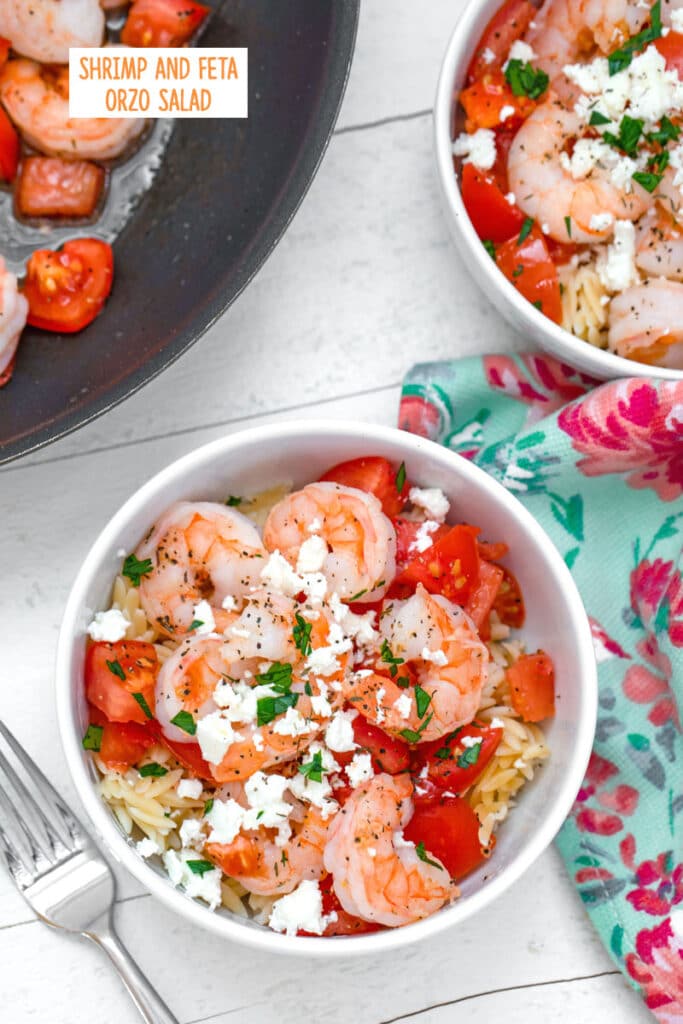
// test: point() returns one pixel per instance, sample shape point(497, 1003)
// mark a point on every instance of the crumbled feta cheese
point(319, 702)
point(432, 501)
point(436, 657)
point(511, 198)
point(312, 555)
point(360, 769)
point(278, 573)
point(147, 847)
point(339, 733)
point(315, 526)
point(190, 788)
point(400, 842)
point(322, 661)
point(404, 706)
point(601, 221)
point(206, 886)
point(293, 723)
point(191, 832)
point(215, 735)
point(360, 628)
point(497, 723)
point(478, 149)
point(506, 112)
point(677, 19)
point(371, 851)
point(617, 269)
point(379, 697)
point(267, 808)
point(520, 51)
point(488, 57)
point(312, 791)
point(301, 910)
point(238, 700)
point(469, 741)
point(229, 603)
point(109, 626)
point(257, 740)
point(423, 538)
point(225, 818)
point(203, 614)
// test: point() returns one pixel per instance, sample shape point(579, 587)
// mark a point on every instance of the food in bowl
point(57, 166)
point(570, 166)
point(294, 699)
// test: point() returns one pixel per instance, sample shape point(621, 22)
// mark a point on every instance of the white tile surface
point(364, 284)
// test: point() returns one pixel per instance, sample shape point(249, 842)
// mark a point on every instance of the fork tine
point(51, 799)
point(43, 833)
point(20, 851)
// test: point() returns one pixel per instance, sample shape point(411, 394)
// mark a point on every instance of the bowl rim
point(108, 832)
point(587, 358)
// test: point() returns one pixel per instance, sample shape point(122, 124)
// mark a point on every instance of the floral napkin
point(601, 468)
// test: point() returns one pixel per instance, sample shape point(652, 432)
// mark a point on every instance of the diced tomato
point(483, 597)
point(240, 857)
point(406, 535)
point(449, 830)
point(162, 22)
point(492, 217)
point(671, 48)
point(441, 757)
point(449, 567)
point(484, 100)
point(529, 267)
point(188, 754)
point(67, 289)
point(509, 603)
point(561, 252)
point(499, 172)
point(9, 148)
point(5, 47)
point(375, 475)
point(106, 663)
point(124, 744)
point(508, 24)
point(388, 754)
point(51, 187)
point(532, 686)
point(346, 924)
point(492, 551)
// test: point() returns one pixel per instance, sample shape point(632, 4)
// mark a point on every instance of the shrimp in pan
point(438, 644)
point(45, 29)
point(198, 551)
point(37, 100)
point(13, 313)
point(378, 875)
point(358, 542)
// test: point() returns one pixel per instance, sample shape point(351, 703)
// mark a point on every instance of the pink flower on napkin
point(658, 967)
point(545, 384)
point(631, 427)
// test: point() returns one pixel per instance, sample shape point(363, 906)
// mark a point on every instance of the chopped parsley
point(302, 635)
point(186, 722)
point(422, 700)
point(200, 867)
point(401, 478)
point(313, 769)
point(659, 162)
point(153, 769)
point(308, 690)
point(445, 752)
point(469, 756)
point(490, 248)
point(143, 704)
point(422, 854)
point(357, 596)
point(233, 501)
point(667, 132)
point(519, 269)
point(525, 80)
point(279, 676)
point(195, 624)
point(388, 658)
point(208, 805)
point(630, 132)
point(621, 58)
point(568, 224)
point(597, 119)
point(93, 738)
point(403, 682)
point(537, 304)
point(268, 708)
point(116, 669)
point(414, 735)
point(648, 180)
point(134, 569)
point(526, 230)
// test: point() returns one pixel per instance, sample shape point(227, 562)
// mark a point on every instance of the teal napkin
point(601, 468)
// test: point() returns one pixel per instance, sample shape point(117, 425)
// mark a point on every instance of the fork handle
point(148, 1001)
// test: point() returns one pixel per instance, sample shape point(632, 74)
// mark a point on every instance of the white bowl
point(297, 453)
point(505, 297)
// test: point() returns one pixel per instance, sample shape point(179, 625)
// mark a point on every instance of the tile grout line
point(18, 466)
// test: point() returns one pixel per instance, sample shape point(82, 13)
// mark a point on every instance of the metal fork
point(60, 872)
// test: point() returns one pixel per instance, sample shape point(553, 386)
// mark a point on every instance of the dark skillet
point(223, 198)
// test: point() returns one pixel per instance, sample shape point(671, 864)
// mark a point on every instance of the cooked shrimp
point(199, 551)
point(37, 100)
point(659, 247)
point(263, 865)
point(187, 681)
point(13, 313)
point(377, 874)
point(565, 31)
point(646, 323)
point(438, 642)
point(668, 7)
point(361, 541)
point(546, 190)
point(45, 29)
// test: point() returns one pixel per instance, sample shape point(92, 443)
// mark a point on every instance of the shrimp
point(646, 323)
point(187, 682)
point(546, 190)
point(37, 100)
point(13, 313)
point(565, 31)
point(45, 29)
point(361, 542)
point(378, 876)
point(659, 248)
point(437, 642)
point(271, 868)
point(199, 551)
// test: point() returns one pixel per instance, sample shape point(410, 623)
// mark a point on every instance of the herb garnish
point(524, 80)
point(648, 181)
point(313, 769)
point(422, 854)
point(93, 738)
point(302, 635)
point(134, 569)
point(268, 708)
point(356, 596)
point(153, 769)
point(490, 248)
point(208, 805)
point(621, 58)
point(279, 676)
point(469, 756)
point(143, 704)
point(195, 624)
point(597, 119)
point(116, 669)
point(234, 501)
point(667, 132)
point(401, 477)
point(388, 658)
point(403, 682)
point(186, 722)
point(413, 735)
point(200, 867)
point(568, 224)
point(526, 230)
point(308, 690)
point(422, 700)
point(630, 131)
